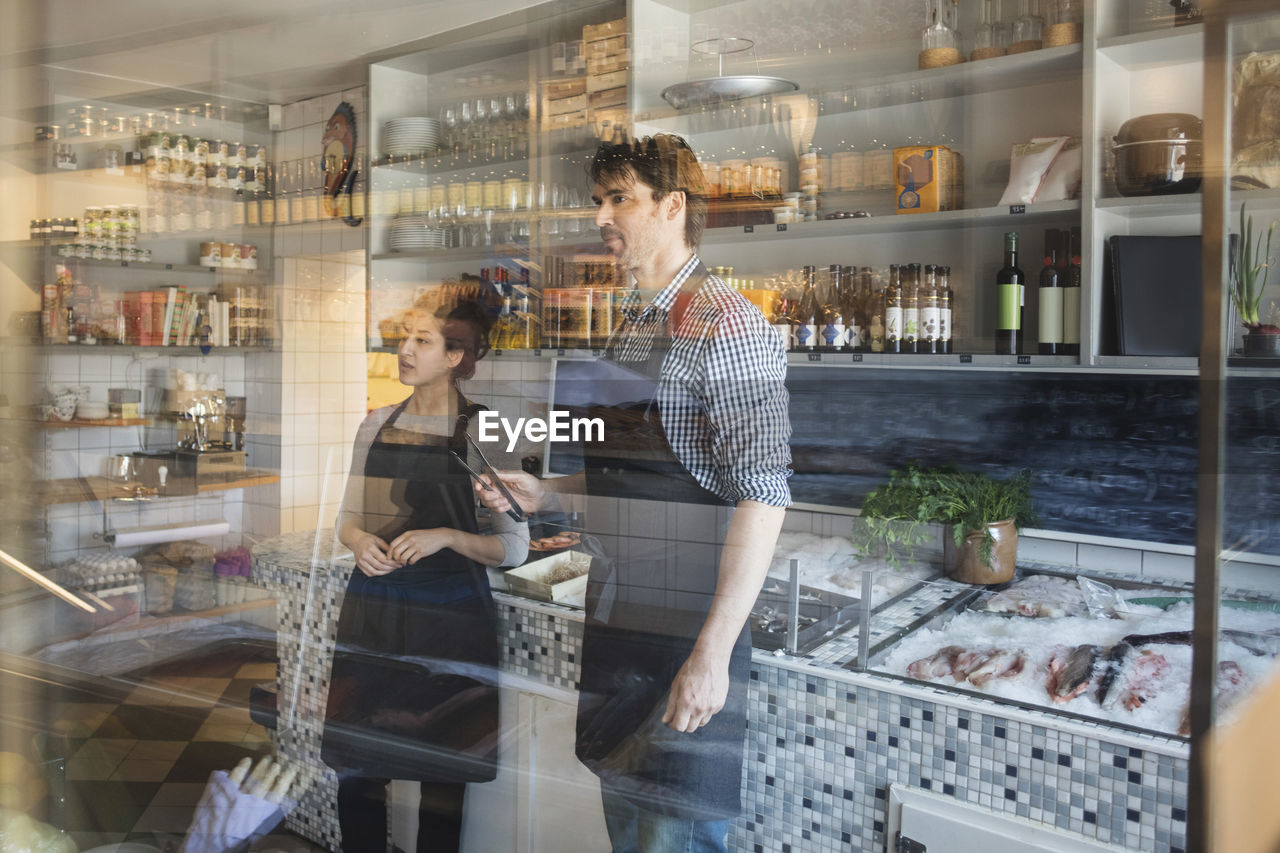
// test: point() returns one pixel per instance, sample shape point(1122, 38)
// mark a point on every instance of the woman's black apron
point(413, 693)
point(647, 599)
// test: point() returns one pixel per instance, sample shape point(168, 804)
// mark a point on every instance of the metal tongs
point(515, 513)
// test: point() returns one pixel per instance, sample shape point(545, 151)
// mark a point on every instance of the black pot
point(1259, 345)
point(1159, 154)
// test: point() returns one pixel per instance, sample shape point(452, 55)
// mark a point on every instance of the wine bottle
point(1010, 295)
point(910, 308)
point(809, 314)
point(851, 309)
point(1071, 298)
point(893, 310)
point(946, 309)
point(832, 336)
point(927, 296)
point(1051, 297)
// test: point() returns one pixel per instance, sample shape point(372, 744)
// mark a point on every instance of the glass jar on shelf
point(1028, 28)
point(1065, 23)
point(989, 39)
point(940, 40)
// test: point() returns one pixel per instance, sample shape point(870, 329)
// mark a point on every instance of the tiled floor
point(139, 750)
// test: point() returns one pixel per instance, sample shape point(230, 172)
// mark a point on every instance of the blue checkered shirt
point(722, 386)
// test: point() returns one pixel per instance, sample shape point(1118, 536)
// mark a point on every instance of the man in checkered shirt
point(665, 651)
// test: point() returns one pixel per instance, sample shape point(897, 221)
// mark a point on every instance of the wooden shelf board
point(82, 489)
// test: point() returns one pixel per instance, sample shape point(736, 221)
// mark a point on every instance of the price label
point(596, 353)
point(1024, 359)
point(560, 352)
point(815, 356)
point(537, 353)
point(748, 229)
point(781, 226)
point(857, 357)
point(124, 263)
point(498, 352)
point(1017, 208)
point(966, 358)
point(170, 266)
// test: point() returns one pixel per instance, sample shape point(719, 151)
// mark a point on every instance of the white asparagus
point(259, 771)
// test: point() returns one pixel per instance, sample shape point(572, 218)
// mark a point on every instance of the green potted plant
point(983, 513)
point(1250, 267)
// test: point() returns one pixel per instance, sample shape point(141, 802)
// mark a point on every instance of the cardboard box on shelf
point(564, 121)
point(559, 106)
point(607, 64)
point(602, 82)
point(610, 48)
point(566, 88)
point(616, 97)
point(591, 32)
point(927, 179)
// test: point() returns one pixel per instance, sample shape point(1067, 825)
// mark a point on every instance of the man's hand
point(697, 694)
point(371, 556)
point(414, 545)
point(524, 487)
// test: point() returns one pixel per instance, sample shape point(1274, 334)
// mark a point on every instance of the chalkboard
point(1111, 454)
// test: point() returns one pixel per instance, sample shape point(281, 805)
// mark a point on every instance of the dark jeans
point(362, 813)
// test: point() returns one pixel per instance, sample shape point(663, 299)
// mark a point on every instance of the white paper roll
point(166, 533)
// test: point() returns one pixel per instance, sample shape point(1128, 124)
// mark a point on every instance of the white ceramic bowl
point(87, 410)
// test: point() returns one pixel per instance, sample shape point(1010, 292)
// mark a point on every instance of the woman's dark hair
point(463, 321)
point(666, 164)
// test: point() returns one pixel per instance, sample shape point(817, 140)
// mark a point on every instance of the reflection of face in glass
point(424, 357)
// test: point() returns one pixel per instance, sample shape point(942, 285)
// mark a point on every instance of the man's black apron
point(413, 694)
point(647, 599)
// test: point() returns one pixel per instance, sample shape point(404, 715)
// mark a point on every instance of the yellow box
point(603, 82)
point(927, 179)
point(591, 32)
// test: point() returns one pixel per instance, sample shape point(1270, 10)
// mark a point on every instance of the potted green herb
point(983, 513)
point(1250, 267)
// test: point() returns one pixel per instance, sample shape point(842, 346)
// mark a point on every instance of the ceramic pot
point(965, 563)
point(64, 404)
point(1266, 346)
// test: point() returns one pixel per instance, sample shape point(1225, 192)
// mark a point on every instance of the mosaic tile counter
point(824, 743)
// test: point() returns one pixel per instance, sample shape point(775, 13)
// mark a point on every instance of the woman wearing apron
point(413, 694)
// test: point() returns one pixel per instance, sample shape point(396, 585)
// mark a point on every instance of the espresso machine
point(210, 431)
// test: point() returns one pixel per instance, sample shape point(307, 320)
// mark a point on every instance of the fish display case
point(1101, 647)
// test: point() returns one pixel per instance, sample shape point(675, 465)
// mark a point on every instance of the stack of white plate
point(411, 234)
point(411, 135)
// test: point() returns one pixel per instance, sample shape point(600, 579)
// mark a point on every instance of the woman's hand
point(524, 487)
point(414, 545)
point(371, 556)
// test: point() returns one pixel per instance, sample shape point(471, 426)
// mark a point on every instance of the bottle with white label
point(927, 340)
point(1071, 299)
point(893, 310)
point(946, 309)
point(809, 314)
point(1051, 297)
